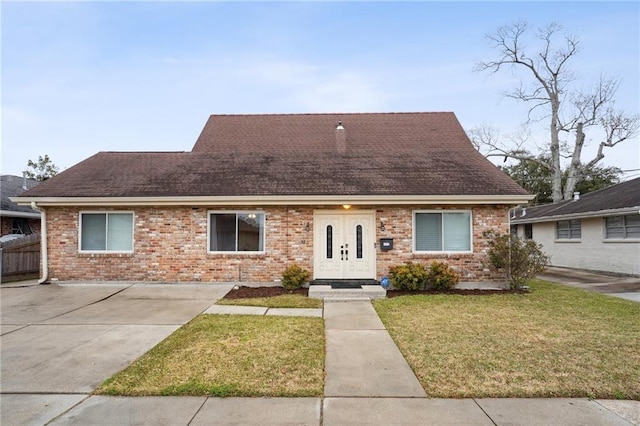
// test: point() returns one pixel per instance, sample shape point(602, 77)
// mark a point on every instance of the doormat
point(345, 285)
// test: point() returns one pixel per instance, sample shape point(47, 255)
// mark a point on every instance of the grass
point(281, 301)
point(556, 341)
point(230, 355)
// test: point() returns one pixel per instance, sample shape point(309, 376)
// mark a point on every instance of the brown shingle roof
point(11, 186)
point(242, 155)
point(623, 196)
point(313, 133)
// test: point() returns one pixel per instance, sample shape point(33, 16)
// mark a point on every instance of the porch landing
point(365, 292)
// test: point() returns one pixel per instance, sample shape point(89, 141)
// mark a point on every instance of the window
point(108, 232)
point(442, 231)
point(21, 226)
point(528, 231)
point(622, 227)
point(568, 229)
point(236, 232)
point(329, 242)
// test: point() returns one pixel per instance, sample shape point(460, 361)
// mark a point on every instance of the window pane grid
point(109, 232)
point(622, 227)
point(569, 229)
point(236, 232)
point(446, 231)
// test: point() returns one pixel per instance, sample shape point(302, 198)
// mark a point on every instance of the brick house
point(345, 196)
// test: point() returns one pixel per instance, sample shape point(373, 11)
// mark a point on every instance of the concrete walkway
point(624, 287)
point(362, 360)
point(368, 382)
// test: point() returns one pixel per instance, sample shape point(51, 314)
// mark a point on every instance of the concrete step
point(366, 292)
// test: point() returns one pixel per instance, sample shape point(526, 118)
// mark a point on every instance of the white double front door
point(344, 245)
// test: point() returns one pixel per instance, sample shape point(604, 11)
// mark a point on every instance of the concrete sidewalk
point(368, 382)
point(105, 410)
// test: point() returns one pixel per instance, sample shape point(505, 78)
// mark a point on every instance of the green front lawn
point(553, 342)
point(230, 355)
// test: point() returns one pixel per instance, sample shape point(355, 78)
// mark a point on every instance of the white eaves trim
point(271, 200)
point(583, 215)
point(28, 215)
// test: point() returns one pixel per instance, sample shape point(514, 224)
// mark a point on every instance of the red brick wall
point(473, 267)
point(6, 225)
point(170, 244)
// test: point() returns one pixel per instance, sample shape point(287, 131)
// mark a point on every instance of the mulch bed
point(251, 292)
point(268, 291)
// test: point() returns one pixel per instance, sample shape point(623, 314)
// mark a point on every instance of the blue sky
point(84, 77)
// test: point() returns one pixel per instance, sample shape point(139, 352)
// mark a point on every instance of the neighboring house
point(16, 219)
point(345, 196)
point(597, 231)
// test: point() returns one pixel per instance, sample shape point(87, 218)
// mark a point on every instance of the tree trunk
point(556, 170)
point(574, 172)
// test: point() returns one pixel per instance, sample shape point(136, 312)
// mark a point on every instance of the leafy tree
point(41, 170)
point(548, 86)
point(536, 178)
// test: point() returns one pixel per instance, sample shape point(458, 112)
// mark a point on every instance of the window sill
point(443, 253)
point(622, 240)
point(568, 240)
point(105, 253)
point(236, 253)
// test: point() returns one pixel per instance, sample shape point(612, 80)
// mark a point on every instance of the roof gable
point(298, 155)
point(314, 133)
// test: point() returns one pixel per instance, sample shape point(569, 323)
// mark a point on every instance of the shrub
point(442, 276)
point(408, 276)
point(294, 276)
point(521, 260)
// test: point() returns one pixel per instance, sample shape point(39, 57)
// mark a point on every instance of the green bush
point(520, 260)
point(408, 276)
point(442, 276)
point(294, 276)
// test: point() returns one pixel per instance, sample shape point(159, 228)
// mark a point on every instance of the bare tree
point(546, 87)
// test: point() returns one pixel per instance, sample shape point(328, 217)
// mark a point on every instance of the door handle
point(341, 253)
point(346, 253)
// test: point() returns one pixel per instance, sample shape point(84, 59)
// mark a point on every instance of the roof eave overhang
point(13, 213)
point(271, 200)
point(583, 215)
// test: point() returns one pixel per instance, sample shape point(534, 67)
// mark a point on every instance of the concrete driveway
point(624, 287)
point(67, 339)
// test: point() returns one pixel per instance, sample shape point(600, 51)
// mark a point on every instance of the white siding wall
point(589, 252)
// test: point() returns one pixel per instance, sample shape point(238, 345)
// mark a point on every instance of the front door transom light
point(346, 206)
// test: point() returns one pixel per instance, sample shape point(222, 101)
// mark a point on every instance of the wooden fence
point(20, 258)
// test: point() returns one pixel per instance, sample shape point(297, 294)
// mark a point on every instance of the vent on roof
point(576, 196)
point(341, 138)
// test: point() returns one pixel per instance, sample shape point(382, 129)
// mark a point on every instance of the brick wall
point(398, 222)
point(6, 224)
point(170, 244)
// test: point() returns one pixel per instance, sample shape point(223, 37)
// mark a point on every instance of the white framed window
point(569, 229)
point(442, 231)
point(236, 232)
point(622, 227)
point(110, 232)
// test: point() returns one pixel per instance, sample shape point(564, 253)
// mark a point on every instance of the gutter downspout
point(43, 242)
